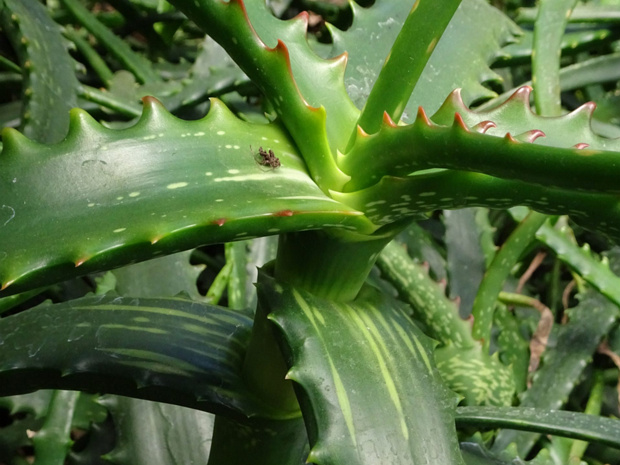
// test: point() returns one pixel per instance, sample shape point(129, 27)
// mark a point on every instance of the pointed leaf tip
point(581, 145)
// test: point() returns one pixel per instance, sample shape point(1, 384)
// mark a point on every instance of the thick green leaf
point(464, 258)
point(474, 374)
point(160, 277)
point(50, 86)
point(272, 65)
point(342, 355)
point(515, 116)
point(169, 350)
point(138, 64)
point(428, 298)
point(422, 30)
point(151, 433)
point(259, 441)
point(479, 30)
point(592, 428)
point(563, 363)
point(161, 186)
point(53, 441)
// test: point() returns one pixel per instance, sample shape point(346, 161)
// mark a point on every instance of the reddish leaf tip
point(80, 261)
point(220, 221)
point(581, 145)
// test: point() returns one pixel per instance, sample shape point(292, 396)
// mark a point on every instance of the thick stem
point(333, 266)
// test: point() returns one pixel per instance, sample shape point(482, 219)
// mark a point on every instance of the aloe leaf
point(563, 363)
point(572, 42)
point(53, 440)
point(237, 256)
point(50, 86)
point(161, 186)
point(159, 277)
point(428, 298)
point(513, 348)
point(259, 442)
point(170, 350)
point(134, 62)
point(497, 273)
point(89, 53)
point(151, 433)
point(308, 69)
point(212, 73)
point(464, 257)
point(479, 28)
point(395, 198)
point(409, 54)
point(351, 352)
point(137, 422)
point(465, 368)
point(516, 117)
point(592, 428)
point(548, 32)
point(476, 454)
point(270, 63)
point(423, 248)
point(581, 14)
point(594, 271)
point(427, 144)
point(480, 378)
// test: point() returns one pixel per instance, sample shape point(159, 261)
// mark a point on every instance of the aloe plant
point(386, 178)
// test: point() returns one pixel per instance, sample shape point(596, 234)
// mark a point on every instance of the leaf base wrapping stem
point(329, 265)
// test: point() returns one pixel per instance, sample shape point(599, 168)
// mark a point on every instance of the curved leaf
point(50, 85)
point(353, 352)
point(161, 186)
point(575, 425)
point(563, 364)
point(170, 350)
point(479, 30)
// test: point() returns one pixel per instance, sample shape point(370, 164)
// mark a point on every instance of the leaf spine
point(484, 126)
point(421, 116)
point(508, 137)
point(388, 121)
point(459, 123)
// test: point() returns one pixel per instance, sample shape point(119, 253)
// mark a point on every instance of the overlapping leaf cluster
point(370, 135)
